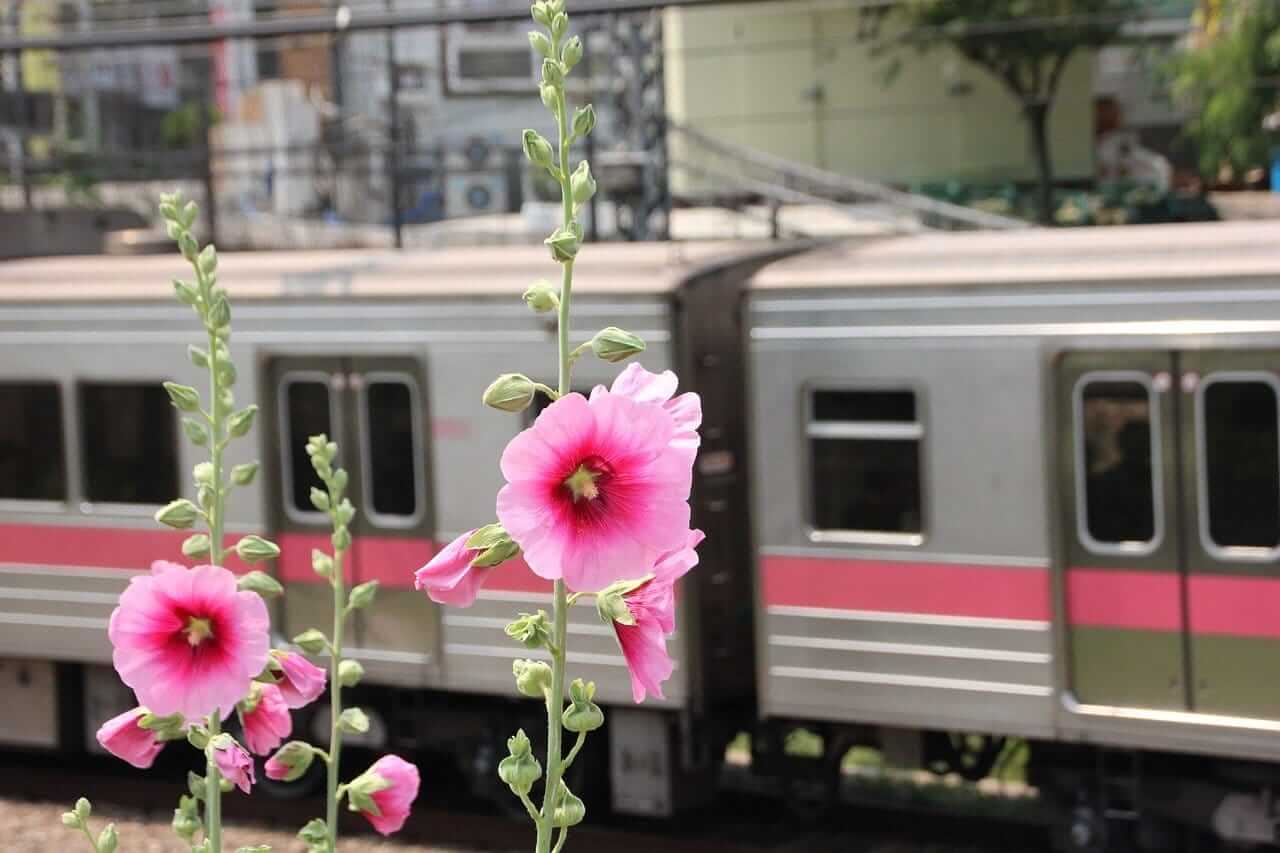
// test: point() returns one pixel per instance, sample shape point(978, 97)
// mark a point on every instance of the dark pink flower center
point(198, 630)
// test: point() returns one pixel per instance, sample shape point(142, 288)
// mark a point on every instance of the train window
point(129, 443)
point(1240, 461)
point(393, 463)
point(32, 466)
point(307, 411)
point(864, 451)
point(1118, 491)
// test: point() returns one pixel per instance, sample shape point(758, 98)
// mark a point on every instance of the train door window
point(307, 411)
point(32, 466)
point(865, 466)
point(1239, 462)
point(129, 443)
point(1118, 494)
point(390, 413)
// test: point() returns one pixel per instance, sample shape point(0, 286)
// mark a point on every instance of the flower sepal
point(532, 630)
point(290, 761)
point(611, 602)
point(533, 677)
point(519, 770)
point(494, 544)
point(582, 715)
point(171, 727)
point(569, 809)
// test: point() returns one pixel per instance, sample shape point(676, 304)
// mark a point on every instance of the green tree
point(1025, 44)
point(1227, 79)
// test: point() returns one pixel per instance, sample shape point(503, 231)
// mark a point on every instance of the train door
point(375, 407)
point(1123, 566)
point(1230, 420)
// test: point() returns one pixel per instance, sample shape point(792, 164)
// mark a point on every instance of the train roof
point(1135, 254)
point(607, 268)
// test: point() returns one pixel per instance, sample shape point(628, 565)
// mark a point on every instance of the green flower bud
point(537, 148)
point(519, 770)
point(243, 474)
point(207, 262)
point(169, 210)
point(186, 819)
point(583, 715)
point(195, 432)
point(83, 809)
point(108, 840)
point(202, 473)
point(187, 293)
point(227, 373)
point(198, 357)
point(496, 554)
point(563, 244)
point(571, 53)
point(350, 672)
point(555, 7)
point(311, 641)
point(219, 312)
point(584, 120)
point(242, 421)
point(184, 397)
point(261, 583)
point(179, 514)
point(614, 345)
point(196, 545)
point(189, 213)
point(321, 563)
point(533, 630)
point(611, 604)
point(540, 43)
point(198, 736)
point(315, 834)
point(362, 596)
point(510, 392)
point(70, 819)
point(340, 481)
point(353, 721)
point(542, 296)
point(254, 549)
point(196, 784)
point(257, 848)
point(552, 72)
point(569, 809)
point(187, 245)
point(541, 13)
point(582, 184)
point(297, 756)
point(550, 96)
point(341, 539)
point(559, 25)
point(320, 499)
point(533, 677)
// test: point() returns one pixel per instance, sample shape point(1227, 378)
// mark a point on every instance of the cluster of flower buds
point(105, 841)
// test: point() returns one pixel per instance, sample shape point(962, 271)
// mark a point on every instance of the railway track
point(739, 823)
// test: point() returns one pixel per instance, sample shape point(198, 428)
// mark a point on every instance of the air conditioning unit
point(475, 194)
point(488, 61)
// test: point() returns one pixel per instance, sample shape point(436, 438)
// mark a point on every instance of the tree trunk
point(1037, 115)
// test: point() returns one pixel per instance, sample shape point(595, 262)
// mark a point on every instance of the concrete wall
point(750, 73)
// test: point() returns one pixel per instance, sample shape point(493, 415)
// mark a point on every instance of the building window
point(32, 461)
point(129, 440)
point(1119, 501)
point(393, 461)
point(307, 411)
point(1240, 462)
point(864, 452)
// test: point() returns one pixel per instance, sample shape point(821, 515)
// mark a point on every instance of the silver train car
point(1016, 485)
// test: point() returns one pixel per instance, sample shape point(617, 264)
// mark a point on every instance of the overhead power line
point(344, 19)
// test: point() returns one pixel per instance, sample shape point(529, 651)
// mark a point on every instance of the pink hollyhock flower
point(125, 739)
point(598, 487)
point(449, 578)
point(392, 784)
point(659, 388)
point(652, 605)
point(301, 681)
point(269, 723)
point(234, 763)
point(187, 641)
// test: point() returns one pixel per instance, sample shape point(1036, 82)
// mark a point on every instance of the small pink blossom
point(269, 723)
point(234, 763)
point(301, 681)
point(599, 488)
point(392, 783)
point(449, 578)
point(125, 739)
point(653, 606)
point(187, 641)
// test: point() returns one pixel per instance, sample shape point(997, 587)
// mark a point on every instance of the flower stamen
point(582, 483)
point(198, 630)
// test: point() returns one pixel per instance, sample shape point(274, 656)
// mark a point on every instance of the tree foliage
point(1025, 44)
point(1227, 78)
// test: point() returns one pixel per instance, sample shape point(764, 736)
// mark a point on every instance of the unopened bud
point(563, 244)
point(584, 120)
point(533, 677)
point(552, 72)
point(541, 13)
point(311, 641)
point(108, 840)
point(253, 549)
point(533, 630)
point(295, 755)
point(540, 43)
point(362, 596)
point(519, 770)
point(261, 583)
point(196, 545)
point(242, 475)
point(202, 473)
point(571, 53)
point(350, 672)
point(582, 184)
point(614, 345)
point(583, 715)
point(542, 296)
point(569, 809)
point(184, 397)
point(242, 421)
point(510, 392)
point(321, 563)
point(559, 24)
point(550, 97)
point(186, 292)
point(537, 148)
point(179, 514)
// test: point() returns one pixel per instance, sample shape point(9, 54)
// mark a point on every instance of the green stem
point(217, 426)
point(93, 842)
point(564, 836)
point(555, 701)
point(335, 698)
point(573, 753)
